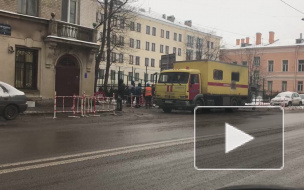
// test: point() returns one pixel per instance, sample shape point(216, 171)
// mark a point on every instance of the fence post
point(54, 106)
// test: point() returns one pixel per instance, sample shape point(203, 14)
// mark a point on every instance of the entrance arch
point(67, 77)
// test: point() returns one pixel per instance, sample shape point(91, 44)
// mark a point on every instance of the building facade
point(48, 46)
point(150, 35)
point(274, 66)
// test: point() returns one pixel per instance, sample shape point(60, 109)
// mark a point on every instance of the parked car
point(12, 101)
point(287, 99)
point(302, 97)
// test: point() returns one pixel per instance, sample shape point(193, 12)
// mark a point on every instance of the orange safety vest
point(148, 91)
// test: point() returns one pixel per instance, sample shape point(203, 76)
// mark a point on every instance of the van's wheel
point(300, 103)
point(10, 112)
point(167, 109)
point(289, 104)
point(233, 102)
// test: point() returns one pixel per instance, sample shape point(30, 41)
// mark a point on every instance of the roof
point(277, 43)
point(177, 23)
point(181, 70)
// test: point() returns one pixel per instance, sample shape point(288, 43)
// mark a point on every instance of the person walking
point(138, 94)
point(131, 91)
point(148, 95)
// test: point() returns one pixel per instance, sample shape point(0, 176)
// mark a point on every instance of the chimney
point(242, 41)
point(258, 38)
point(164, 16)
point(171, 18)
point(247, 40)
point(237, 42)
point(188, 23)
point(271, 37)
point(300, 40)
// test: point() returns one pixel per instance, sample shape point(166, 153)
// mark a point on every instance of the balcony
point(72, 33)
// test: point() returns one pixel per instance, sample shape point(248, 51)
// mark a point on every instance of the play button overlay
point(235, 138)
point(246, 138)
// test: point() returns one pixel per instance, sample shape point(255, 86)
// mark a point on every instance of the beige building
point(151, 35)
point(41, 54)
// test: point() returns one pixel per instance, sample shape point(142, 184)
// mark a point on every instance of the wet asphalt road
point(139, 149)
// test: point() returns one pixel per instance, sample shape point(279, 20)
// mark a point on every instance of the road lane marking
point(89, 155)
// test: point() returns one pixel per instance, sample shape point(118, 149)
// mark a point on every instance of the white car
point(287, 99)
point(302, 97)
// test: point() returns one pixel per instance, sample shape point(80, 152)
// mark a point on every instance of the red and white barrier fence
point(84, 105)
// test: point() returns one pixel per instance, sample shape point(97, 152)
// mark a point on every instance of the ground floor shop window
point(26, 68)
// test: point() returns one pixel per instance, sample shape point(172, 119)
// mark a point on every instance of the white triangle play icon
point(235, 138)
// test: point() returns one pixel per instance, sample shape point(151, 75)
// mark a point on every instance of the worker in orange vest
point(148, 95)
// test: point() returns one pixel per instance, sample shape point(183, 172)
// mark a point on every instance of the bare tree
point(115, 18)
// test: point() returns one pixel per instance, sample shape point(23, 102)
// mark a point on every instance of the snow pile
point(9, 90)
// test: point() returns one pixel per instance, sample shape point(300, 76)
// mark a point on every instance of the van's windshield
point(174, 77)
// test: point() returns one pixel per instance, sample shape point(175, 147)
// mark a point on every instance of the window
point(113, 57)
point(153, 31)
point(217, 74)
point(132, 26)
point(199, 55)
point(69, 11)
point(131, 42)
point(179, 52)
point(138, 28)
point(146, 61)
point(285, 66)
point(103, 56)
point(175, 36)
point(114, 39)
point(256, 61)
point(301, 66)
point(148, 30)
point(136, 78)
point(138, 44)
point(189, 55)
point(120, 60)
point(194, 79)
point(174, 50)
point(152, 78)
point(131, 59)
point(30, 7)
point(199, 43)
point(26, 68)
point(114, 21)
point(101, 74)
point(300, 86)
point(153, 46)
point(137, 60)
point(235, 76)
point(179, 37)
point(168, 34)
point(269, 86)
point(256, 76)
point(190, 41)
point(122, 23)
point(284, 86)
point(146, 77)
point(167, 49)
point(120, 75)
point(208, 44)
point(162, 33)
point(161, 49)
point(121, 40)
point(147, 46)
point(130, 76)
point(212, 45)
point(270, 66)
point(244, 63)
point(152, 62)
point(234, 63)
point(112, 75)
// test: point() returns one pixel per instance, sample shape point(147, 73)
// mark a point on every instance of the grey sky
point(234, 19)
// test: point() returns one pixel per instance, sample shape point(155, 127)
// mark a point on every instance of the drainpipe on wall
point(295, 73)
